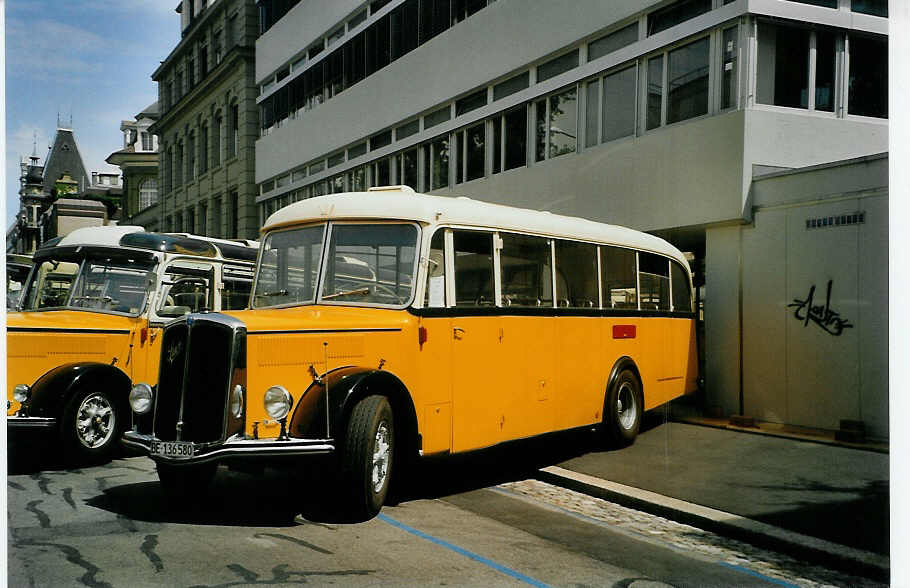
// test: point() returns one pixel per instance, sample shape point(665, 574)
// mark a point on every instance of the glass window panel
point(873, 7)
point(618, 278)
point(540, 146)
point(655, 91)
point(510, 86)
point(825, 55)
point(615, 40)
point(288, 267)
point(436, 274)
point(868, 95)
point(527, 278)
point(336, 159)
point(554, 67)
point(619, 104)
point(475, 138)
point(407, 129)
point(825, 3)
point(435, 118)
point(516, 138)
point(728, 90)
point(592, 108)
point(654, 281)
point(473, 268)
point(497, 144)
point(381, 140)
point(563, 123)
point(357, 150)
point(438, 164)
point(688, 81)
point(576, 275)
point(472, 102)
point(371, 263)
point(783, 66)
point(408, 175)
point(678, 12)
point(682, 293)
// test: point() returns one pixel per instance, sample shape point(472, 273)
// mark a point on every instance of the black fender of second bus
point(622, 363)
point(347, 386)
point(51, 391)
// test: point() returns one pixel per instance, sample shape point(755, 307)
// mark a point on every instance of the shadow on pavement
point(275, 497)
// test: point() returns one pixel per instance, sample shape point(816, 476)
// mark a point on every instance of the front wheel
point(90, 427)
point(368, 456)
point(623, 409)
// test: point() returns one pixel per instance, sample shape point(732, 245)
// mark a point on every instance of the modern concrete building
point(138, 163)
point(717, 124)
point(208, 122)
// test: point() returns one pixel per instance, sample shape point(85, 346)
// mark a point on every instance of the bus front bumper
point(233, 447)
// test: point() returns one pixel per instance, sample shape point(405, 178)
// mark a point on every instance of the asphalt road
point(112, 526)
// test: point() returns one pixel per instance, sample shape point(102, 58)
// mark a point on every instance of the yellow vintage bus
point(88, 324)
point(387, 325)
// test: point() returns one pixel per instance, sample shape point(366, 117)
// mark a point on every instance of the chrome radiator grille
point(198, 359)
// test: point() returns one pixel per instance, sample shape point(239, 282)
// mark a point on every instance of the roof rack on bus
point(406, 189)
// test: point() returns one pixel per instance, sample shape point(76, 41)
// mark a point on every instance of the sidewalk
point(813, 499)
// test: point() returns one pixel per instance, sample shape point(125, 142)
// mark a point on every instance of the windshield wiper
point(104, 298)
point(275, 293)
point(360, 291)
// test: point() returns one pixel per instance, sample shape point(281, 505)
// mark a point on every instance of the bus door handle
point(458, 332)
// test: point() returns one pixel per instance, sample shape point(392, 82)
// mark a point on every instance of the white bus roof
point(108, 235)
point(400, 202)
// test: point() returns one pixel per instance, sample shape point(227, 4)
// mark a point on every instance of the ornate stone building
point(208, 121)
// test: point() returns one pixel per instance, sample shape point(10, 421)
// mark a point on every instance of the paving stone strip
point(688, 538)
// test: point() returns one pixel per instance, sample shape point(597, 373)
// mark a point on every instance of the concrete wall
point(686, 174)
point(797, 372)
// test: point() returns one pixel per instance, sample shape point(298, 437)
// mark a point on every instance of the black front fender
point(346, 387)
point(51, 391)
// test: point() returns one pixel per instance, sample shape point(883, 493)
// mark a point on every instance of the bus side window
point(473, 268)
point(527, 279)
point(576, 275)
point(436, 272)
point(682, 292)
point(654, 281)
point(618, 275)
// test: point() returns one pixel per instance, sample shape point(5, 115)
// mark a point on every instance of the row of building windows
point(203, 219)
point(201, 57)
point(201, 149)
point(663, 88)
point(398, 32)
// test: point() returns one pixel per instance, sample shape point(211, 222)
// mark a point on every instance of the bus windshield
point(90, 284)
point(373, 264)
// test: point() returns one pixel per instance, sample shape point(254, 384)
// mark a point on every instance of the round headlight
point(141, 398)
point(237, 401)
point(21, 393)
point(277, 402)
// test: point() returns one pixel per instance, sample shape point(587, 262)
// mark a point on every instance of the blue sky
point(91, 58)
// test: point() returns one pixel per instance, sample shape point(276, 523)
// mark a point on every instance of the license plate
point(172, 449)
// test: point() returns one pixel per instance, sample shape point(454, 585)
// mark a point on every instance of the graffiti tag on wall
point(822, 315)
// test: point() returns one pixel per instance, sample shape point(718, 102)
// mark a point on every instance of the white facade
point(652, 115)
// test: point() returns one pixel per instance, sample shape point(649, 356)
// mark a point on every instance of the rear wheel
point(190, 481)
point(623, 409)
point(90, 427)
point(368, 456)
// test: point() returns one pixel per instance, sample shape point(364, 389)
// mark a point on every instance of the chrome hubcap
point(626, 409)
point(381, 454)
point(95, 421)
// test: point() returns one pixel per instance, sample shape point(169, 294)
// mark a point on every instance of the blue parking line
point(498, 567)
point(757, 575)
